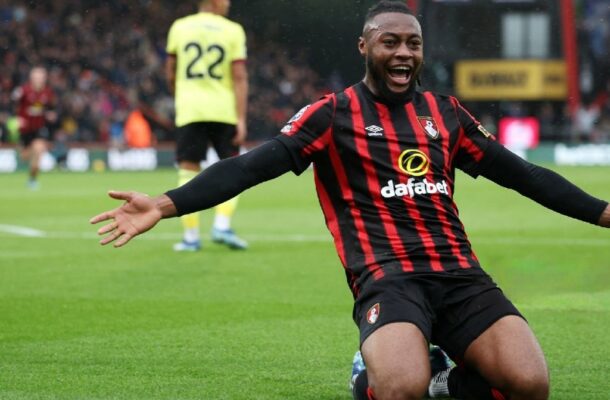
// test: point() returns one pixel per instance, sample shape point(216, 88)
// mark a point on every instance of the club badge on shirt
point(373, 314)
point(288, 127)
point(429, 126)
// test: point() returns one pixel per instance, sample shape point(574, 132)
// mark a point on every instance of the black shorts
point(192, 141)
point(451, 309)
point(26, 139)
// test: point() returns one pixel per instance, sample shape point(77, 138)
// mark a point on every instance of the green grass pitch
point(80, 321)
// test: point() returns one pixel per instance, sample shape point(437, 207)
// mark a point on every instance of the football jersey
point(384, 175)
point(32, 105)
point(205, 45)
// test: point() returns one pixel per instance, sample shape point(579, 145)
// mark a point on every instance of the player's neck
point(211, 10)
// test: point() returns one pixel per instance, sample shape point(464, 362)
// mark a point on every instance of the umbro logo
point(374, 130)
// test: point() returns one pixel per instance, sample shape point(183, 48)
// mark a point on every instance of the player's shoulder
point(441, 99)
point(233, 28)
point(212, 20)
point(233, 24)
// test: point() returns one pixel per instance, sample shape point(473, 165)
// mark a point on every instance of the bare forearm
point(240, 88)
point(241, 91)
point(170, 73)
point(166, 206)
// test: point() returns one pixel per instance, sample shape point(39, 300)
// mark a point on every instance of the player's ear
point(362, 45)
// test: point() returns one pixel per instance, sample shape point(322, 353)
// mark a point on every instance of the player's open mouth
point(400, 75)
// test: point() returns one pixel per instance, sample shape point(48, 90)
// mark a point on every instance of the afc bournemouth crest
point(372, 314)
point(429, 126)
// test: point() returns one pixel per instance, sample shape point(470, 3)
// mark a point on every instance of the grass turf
point(78, 321)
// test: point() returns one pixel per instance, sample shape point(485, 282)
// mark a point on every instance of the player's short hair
point(387, 6)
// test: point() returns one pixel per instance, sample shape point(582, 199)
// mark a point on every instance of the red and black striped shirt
point(384, 175)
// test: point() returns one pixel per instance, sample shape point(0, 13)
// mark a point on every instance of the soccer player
point(36, 104)
point(206, 71)
point(384, 157)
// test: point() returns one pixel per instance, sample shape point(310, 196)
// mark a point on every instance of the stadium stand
point(101, 75)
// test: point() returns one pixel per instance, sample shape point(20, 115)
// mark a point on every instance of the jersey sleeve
point(239, 50)
point(308, 132)
point(172, 44)
point(476, 147)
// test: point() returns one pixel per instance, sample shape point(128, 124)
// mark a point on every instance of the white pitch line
point(22, 231)
point(507, 240)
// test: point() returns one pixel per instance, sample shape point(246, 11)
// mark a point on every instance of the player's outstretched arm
point(546, 187)
point(228, 177)
point(137, 215)
point(604, 220)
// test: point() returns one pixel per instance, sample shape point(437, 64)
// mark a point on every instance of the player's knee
point(398, 389)
point(531, 385)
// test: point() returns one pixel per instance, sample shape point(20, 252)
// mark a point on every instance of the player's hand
point(139, 214)
point(240, 134)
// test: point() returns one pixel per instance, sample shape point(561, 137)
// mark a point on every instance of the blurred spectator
point(585, 120)
point(137, 131)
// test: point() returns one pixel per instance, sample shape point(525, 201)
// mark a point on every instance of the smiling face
point(392, 45)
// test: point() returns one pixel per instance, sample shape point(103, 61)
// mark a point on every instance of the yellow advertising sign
point(511, 80)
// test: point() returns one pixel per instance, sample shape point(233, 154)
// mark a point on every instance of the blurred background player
point(207, 74)
point(36, 103)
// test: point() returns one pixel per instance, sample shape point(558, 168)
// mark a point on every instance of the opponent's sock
point(467, 384)
point(224, 212)
point(190, 222)
point(361, 390)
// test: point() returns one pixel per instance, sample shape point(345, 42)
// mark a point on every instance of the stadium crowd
point(101, 75)
point(592, 121)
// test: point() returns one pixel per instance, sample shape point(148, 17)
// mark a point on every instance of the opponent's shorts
point(192, 141)
point(451, 309)
point(26, 139)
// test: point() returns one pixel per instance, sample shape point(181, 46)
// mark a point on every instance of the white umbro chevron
point(374, 130)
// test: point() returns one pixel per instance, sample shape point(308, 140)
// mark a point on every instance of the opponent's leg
point(37, 149)
point(222, 141)
point(191, 240)
point(221, 230)
point(397, 364)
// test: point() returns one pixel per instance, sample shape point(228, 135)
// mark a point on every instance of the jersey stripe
point(333, 226)
point(410, 205)
point(422, 146)
point(348, 196)
point(389, 225)
point(442, 213)
point(471, 148)
point(331, 218)
point(321, 141)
